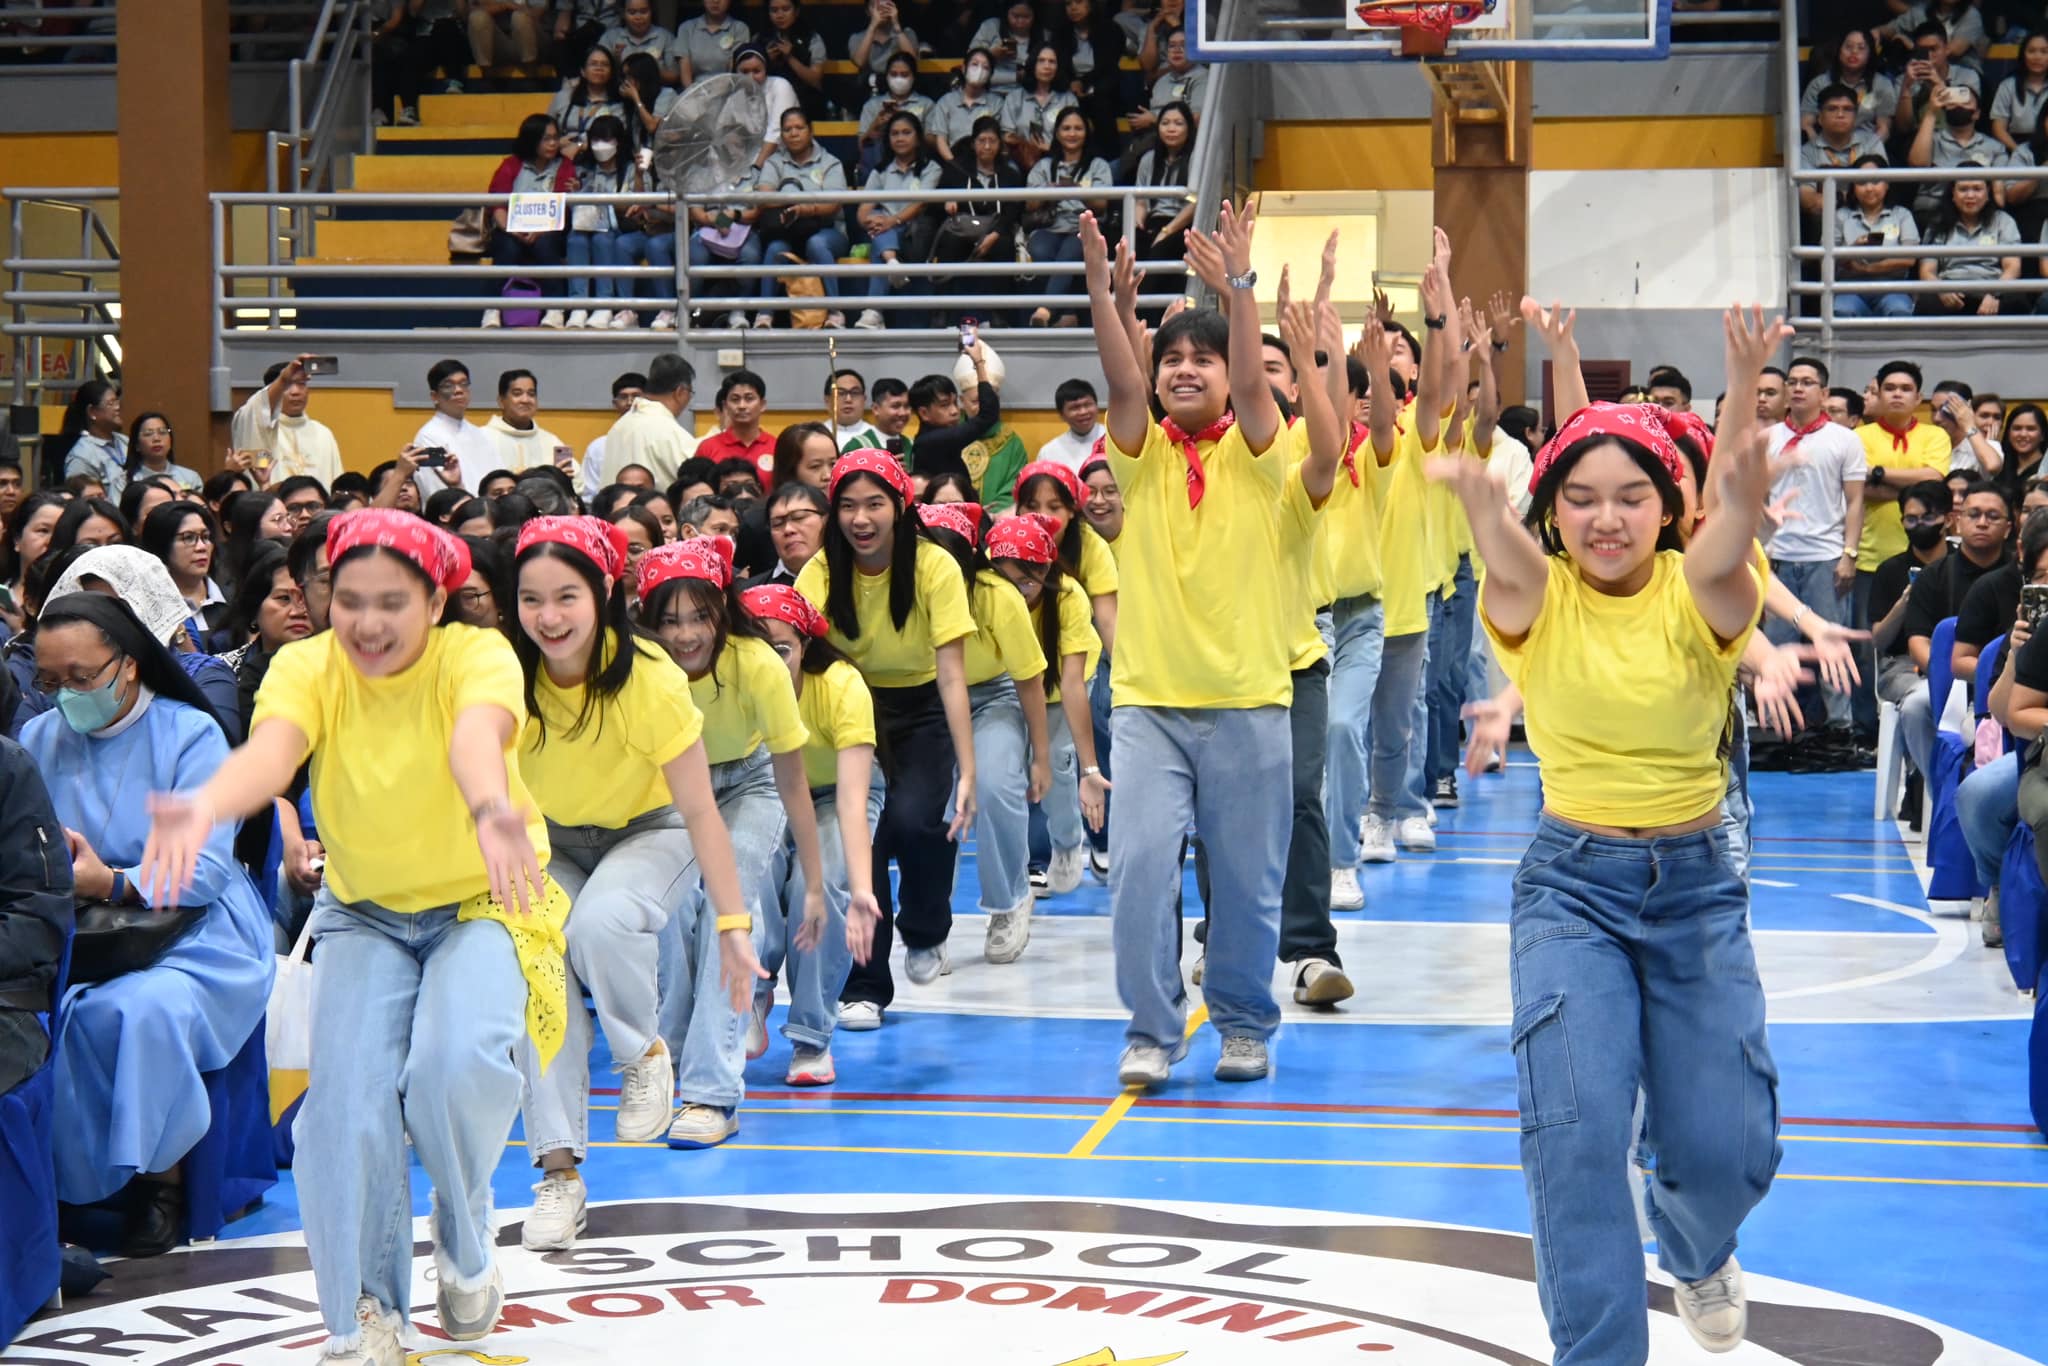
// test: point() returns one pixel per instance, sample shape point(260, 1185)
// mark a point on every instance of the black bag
point(111, 940)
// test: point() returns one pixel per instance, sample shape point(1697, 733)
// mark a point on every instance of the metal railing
point(338, 56)
point(22, 27)
point(31, 302)
point(1221, 164)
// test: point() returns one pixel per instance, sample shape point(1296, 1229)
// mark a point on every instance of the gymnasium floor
point(975, 1189)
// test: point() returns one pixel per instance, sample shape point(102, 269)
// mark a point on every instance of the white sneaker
point(665, 321)
point(736, 320)
point(491, 318)
point(764, 319)
point(810, 1067)
point(757, 1027)
point(1345, 893)
point(1063, 874)
point(870, 320)
point(647, 1096)
point(559, 1214)
point(1375, 839)
point(601, 317)
point(1098, 863)
point(703, 1126)
point(1244, 1059)
point(380, 1345)
point(1715, 1310)
point(1429, 814)
point(1008, 932)
point(859, 1016)
point(1201, 966)
point(552, 318)
point(409, 117)
point(467, 1315)
point(1147, 1064)
point(580, 317)
point(925, 966)
point(1318, 982)
point(623, 319)
point(835, 321)
point(1414, 834)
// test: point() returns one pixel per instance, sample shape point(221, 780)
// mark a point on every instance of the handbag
point(519, 287)
point(112, 940)
point(971, 227)
point(288, 1026)
point(803, 287)
point(467, 235)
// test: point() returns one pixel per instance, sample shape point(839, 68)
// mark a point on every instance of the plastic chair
point(1891, 762)
point(1940, 668)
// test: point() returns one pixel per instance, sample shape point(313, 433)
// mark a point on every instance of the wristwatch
point(1244, 281)
point(1877, 474)
point(1435, 324)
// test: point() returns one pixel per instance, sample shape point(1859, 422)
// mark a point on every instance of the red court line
point(1323, 1108)
point(1760, 839)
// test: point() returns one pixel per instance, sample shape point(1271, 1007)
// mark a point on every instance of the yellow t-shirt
point(838, 713)
point(1627, 699)
point(886, 657)
point(398, 832)
point(1003, 641)
point(1927, 447)
point(1304, 545)
point(1098, 566)
point(1077, 634)
point(1202, 617)
point(610, 772)
point(1409, 561)
point(1351, 526)
point(747, 701)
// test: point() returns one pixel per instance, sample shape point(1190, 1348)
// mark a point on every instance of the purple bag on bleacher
point(521, 288)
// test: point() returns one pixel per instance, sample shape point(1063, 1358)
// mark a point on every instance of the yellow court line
point(1121, 1106)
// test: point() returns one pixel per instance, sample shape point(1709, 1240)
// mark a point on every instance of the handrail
point(95, 318)
point(1788, 121)
point(340, 48)
point(37, 14)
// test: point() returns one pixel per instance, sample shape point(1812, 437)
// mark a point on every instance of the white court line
point(1951, 937)
point(1767, 882)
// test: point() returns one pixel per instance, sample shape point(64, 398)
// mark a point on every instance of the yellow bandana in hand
point(537, 939)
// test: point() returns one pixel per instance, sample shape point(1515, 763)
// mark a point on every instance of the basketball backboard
point(1504, 30)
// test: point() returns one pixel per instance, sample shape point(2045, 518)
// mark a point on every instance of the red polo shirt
point(761, 450)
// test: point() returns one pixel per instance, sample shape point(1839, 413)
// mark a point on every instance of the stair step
point(448, 174)
point(338, 240)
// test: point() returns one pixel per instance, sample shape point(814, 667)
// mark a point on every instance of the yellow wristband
point(735, 922)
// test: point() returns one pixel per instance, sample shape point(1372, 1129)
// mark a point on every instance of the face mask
point(899, 85)
point(604, 151)
point(1925, 537)
point(1961, 118)
point(977, 74)
point(86, 712)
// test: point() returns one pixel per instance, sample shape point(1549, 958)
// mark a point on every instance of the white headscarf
point(138, 578)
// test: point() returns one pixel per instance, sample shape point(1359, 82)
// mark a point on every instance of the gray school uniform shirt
point(1093, 172)
point(1996, 229)
point(2019, 107)
point(784, 174)
point(1878, 100)
point(889, 176)
point(1025, 117)
point(952, 118)
point(1893, 225)
point(1187, 86)
point(710, 53)
point(914, 103)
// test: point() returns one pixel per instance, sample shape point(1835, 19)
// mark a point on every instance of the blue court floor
point(1909, 1222)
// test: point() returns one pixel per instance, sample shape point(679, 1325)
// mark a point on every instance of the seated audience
point(1853, 64)
point(535, 166)
point(708, 43)
point(954, 118)
point(981, 231)
point(602, 167)
point(184, 537)
point(1969, 220)
point(779, 96)
point(2016, 104)
point(1094, 48)
point(1957, 142)
point(899, 93)
point(802, 227)
point(797, 54)
point(1009, 38)
point(1871, 222)
point(898, 230)
point(1055, 228)
point(637, 35)
point(579, 104)
point(505, 32)
point(1034, 103)
point(882, 38)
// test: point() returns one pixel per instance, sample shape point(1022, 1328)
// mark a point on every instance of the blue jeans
point(815, 975)
point(1813, 583)
point(705, 1034)
point(1002, 818)
point(600, 249)
point(1988, 807)
point(1099, 711)
point(1450, 654)
point(1736, 812)
point(702, 255)
point(623, 886)
point(1354, 674)
point(1229, 772)
point(881, 242)
point(1632, 968)
point(1062, 804)
point(647, 249)
point(1888, 305)
point(1046, 246)
point(824, 248)
point(414, 1019)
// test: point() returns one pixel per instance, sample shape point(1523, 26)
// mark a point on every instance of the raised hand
point(1205, 259)
point(1328, 280)
point(1297, 323)
point(1094, 255)
point(1234, 234)
point(1478, 331)
point(1553, 324)
point(1502, 315)
point(1285, 295)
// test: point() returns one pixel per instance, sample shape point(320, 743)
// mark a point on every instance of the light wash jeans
point(1002, 778)
point(1988, 807)
point(1354, 675)
point(1062, 805)
point(595, 249)
point(1399, 713)
point(623, 886)
point(1415, 785)
point(645, 249)
point(414, 1019)
point(1736, 812)
point(1450, 654)
point(1813, 583)
point(1229, 771)
point(705, 1035)
point(1632, 968)
point(815, 975)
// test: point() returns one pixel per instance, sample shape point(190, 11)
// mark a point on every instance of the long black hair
point(1070, 539)
point(244, 513)
point(76, 514)
point(10, 556)
point(259, 575)
point(84, 401)
point(121, 629)
point(840, 569)
point(492, 563)
point(135, 441)
point(158, 533)
point(602, 679)
point(730, 614)
point(1543, 499)
point(131, 497)
point(1049, 613)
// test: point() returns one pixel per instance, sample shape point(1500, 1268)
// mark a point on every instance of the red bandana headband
point(962, 519)
point(780, 602)
point(1198, 479)
point(1687, 423)
point(1624, 421)
point(880, 464)
point(1068, 480)
point(1027, 537)
point(1098, 454)
point(603, 544)
point(440, 556)
point(701, 557)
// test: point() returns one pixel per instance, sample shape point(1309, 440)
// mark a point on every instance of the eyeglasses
point(453, 386)
point(1936, 520)
point(855, 392)
point(192, 540)
point(473, 599)
point(1983, 514)
point(46, 685)
point(790, 519)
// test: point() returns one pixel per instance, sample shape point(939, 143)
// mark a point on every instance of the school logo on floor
point(933, 1281)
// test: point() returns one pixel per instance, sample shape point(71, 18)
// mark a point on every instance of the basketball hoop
point(1425, 24)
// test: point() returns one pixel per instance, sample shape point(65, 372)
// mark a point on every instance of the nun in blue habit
point(141, 1057)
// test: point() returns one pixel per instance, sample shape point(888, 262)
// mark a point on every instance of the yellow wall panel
point(1718, 142)
point(55, 159)
point(1354, 155)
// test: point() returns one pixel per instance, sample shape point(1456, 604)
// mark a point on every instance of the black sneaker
point(1041, 883)
point(1446, 792)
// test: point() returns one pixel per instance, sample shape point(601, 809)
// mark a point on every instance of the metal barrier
point(28, 21)
point(96, 322)
point(309, 144)
point(1830, 254)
